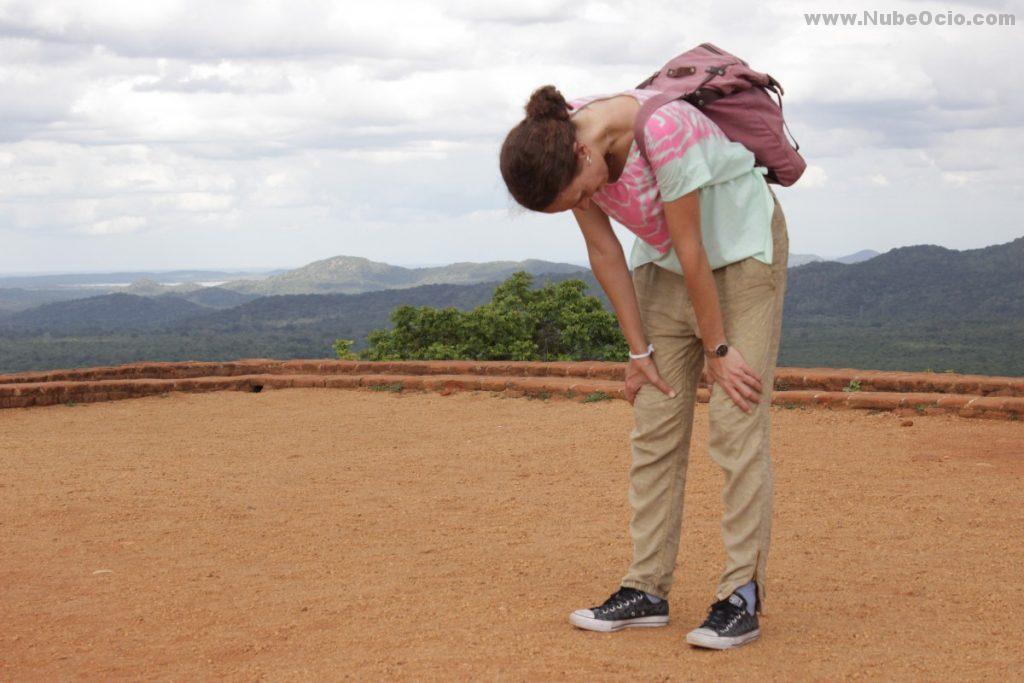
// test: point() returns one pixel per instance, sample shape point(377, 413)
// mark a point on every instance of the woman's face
point(589, 180)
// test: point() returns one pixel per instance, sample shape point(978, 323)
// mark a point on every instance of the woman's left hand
point(737, 379)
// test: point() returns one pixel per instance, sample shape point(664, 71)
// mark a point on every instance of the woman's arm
point(683, 217)
point(731, 370)
point(608, 264)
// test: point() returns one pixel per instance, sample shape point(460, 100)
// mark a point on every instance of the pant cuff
point(643, 586)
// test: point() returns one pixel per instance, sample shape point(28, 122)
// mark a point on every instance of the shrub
point(343, 349)
point(555, 322)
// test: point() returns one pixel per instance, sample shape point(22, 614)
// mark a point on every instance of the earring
point(588, 159)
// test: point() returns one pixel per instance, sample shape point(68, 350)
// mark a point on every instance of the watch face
point(722, 349)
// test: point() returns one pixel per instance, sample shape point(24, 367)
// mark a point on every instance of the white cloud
point(172, 128)
point(959, 179)
point(116, 226)
point(813, 177)
point(202, 202)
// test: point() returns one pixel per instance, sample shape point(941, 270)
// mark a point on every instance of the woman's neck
point(606, 126)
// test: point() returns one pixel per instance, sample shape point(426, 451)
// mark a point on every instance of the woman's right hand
point(640, 371)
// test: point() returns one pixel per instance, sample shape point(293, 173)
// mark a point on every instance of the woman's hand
point(705, 375)
point(640, 371)
point(736, 378)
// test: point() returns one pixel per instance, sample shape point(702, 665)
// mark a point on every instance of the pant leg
point(751, 294)
point(660, 443)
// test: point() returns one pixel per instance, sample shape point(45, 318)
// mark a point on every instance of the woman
point(706, 291)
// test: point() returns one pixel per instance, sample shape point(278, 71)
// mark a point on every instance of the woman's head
point(545, 166)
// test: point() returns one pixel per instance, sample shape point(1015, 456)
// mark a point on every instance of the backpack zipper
point(711, 48)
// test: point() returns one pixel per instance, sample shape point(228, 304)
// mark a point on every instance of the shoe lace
point(723, 615)
point(620, 598)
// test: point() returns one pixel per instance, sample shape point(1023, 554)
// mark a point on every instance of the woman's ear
point(582, 152)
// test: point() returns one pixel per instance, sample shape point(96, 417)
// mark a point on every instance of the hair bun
point(547, 102)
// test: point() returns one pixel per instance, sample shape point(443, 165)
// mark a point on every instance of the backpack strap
point(647, 110)
point(655, 102)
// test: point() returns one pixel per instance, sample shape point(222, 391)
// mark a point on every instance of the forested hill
point(914, 284)
point(120, 312)
point(352, 275)
point(107, 313)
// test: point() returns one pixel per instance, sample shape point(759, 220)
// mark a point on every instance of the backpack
point(736, 98)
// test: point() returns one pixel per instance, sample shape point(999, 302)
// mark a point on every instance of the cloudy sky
point(174, 134)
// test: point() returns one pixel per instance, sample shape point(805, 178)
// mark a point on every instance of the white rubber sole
point(702, 637)
point(580, 620)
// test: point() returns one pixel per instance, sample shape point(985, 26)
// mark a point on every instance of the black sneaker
point(729, 624)
point(625, 607)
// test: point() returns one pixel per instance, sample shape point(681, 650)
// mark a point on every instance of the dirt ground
point(325, 534)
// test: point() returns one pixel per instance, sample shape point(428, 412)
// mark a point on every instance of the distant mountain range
point(336, 275)
point(72, 280)
point(801, 259)
point(122, 312)
point(353, 275)
point(910, 308)
point(21, 292)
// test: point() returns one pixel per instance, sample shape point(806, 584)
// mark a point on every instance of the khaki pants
point(751, 295)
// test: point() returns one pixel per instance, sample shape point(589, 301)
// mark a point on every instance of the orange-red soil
point(308, 534)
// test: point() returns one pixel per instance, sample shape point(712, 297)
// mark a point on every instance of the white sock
point(653, 598)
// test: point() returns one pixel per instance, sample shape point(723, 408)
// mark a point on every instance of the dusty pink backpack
point(736, 98)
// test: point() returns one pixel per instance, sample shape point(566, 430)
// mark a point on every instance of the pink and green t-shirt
point(688, 151)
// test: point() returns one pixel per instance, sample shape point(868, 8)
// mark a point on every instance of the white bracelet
point(650, 350)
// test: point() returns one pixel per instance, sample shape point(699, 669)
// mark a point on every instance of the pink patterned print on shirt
point(634, 199)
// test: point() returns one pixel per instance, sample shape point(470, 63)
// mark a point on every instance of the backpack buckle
point(703, 97)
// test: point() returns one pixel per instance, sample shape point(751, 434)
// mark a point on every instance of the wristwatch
point(718, 351)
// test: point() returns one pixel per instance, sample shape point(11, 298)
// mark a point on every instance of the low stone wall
point(903, 392)
point(786, 379)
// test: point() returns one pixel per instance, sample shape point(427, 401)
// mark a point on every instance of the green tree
point(555, 322)
point(343, 349)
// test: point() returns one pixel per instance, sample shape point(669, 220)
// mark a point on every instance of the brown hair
point(537, 158)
